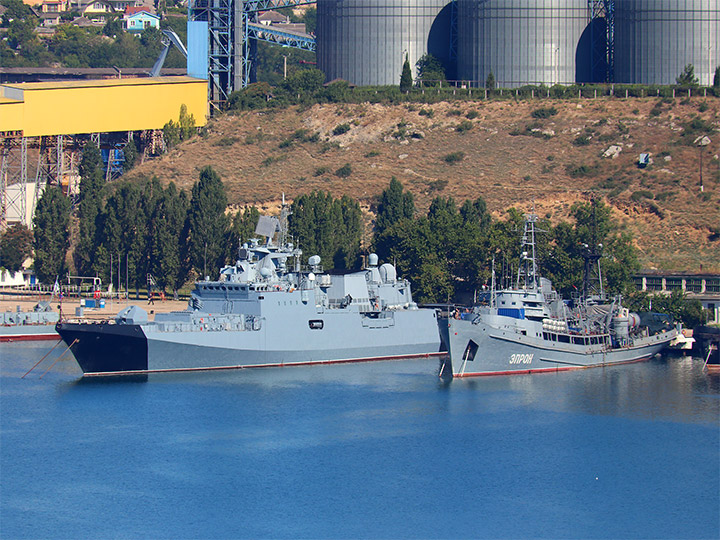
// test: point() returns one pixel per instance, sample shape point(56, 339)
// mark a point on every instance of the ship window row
point(577, 340)
point(224, 288)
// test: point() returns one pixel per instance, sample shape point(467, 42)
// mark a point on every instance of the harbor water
point(380, 450)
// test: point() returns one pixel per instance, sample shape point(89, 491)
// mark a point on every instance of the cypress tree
point(490, 81)
point(207, 223)
point(395, 204)
point(331, 228)
point(52, 234)
point(406, 76)
point(167, 220)
point(92, 181)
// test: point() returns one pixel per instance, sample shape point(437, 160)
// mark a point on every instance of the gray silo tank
point(521, 41)
point(365, 41)
point(656, 39)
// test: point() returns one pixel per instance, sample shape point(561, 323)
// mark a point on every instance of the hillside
point(503, 153)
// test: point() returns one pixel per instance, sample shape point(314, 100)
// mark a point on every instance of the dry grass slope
point(498, 150)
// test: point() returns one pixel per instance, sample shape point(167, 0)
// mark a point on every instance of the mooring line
point(59, 357)
point(43, 358)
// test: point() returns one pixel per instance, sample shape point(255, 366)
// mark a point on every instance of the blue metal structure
point(281, 37)
point(229, 37)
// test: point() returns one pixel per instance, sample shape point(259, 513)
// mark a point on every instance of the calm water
point(383, 450)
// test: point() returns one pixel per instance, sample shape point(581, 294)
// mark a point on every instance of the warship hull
point(38, 332)
point(119, 349)
point(478, 349)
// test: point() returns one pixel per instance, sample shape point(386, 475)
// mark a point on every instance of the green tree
point(52, 234)
point(430, 71)
point(395, 204)
point(593, 227)
point(406, 76)
point(186, 124)
point(716, 78)
point(113, 27)
point(677, 304)
point(130, 155)
point(167, 222)
point(243, 227)
point(490, 81)
point(310, 20)
point(304, 83)
point(687, 78)
point(328, 227)
point(92, 181)
point(336, 92)
point(123, 231)
point(176, 132)
point(254, 96)
point(15, 247)
point(207, 223)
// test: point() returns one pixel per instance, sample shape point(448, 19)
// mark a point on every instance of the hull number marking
point(521, 358)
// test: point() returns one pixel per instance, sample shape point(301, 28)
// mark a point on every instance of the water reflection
point(665, 388)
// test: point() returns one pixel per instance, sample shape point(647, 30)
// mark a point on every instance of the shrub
point(372, 153)
point(453, 157)
point(544, 112)
point(341, 128)
point(320, 171)
point(641, 194)
point(657, 109)
point(576, 171)
point(581, 140)
point(438, 185)
point(426, 112)
point(225, 141)
point(471, 115)
point(344, 171)
point(270, 160)
point(464, 126)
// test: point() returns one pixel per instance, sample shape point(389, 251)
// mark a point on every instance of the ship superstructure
point(264, 311)
point(529, 328)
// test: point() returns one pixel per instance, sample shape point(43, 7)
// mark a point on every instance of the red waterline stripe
point(547, 370)
point(29, 337)
point(289, 364)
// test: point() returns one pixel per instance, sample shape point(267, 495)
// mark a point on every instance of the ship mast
point(527, 269)
point(592, 273)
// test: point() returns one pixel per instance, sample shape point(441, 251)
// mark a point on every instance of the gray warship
point(265, 312)
point(38, 324)
point(528, 328)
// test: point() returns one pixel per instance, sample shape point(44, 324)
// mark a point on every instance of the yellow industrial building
point(101, 106)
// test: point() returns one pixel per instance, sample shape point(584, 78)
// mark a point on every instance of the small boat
point(264, 312)
point(683, 342)
point(35, 325)
point(707, 340)
point(529, 328)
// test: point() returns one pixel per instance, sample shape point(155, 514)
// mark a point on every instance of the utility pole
point(702, 188)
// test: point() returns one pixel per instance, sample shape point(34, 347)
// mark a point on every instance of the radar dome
point(388, 273)
point(314, 260)
point(372, 259)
